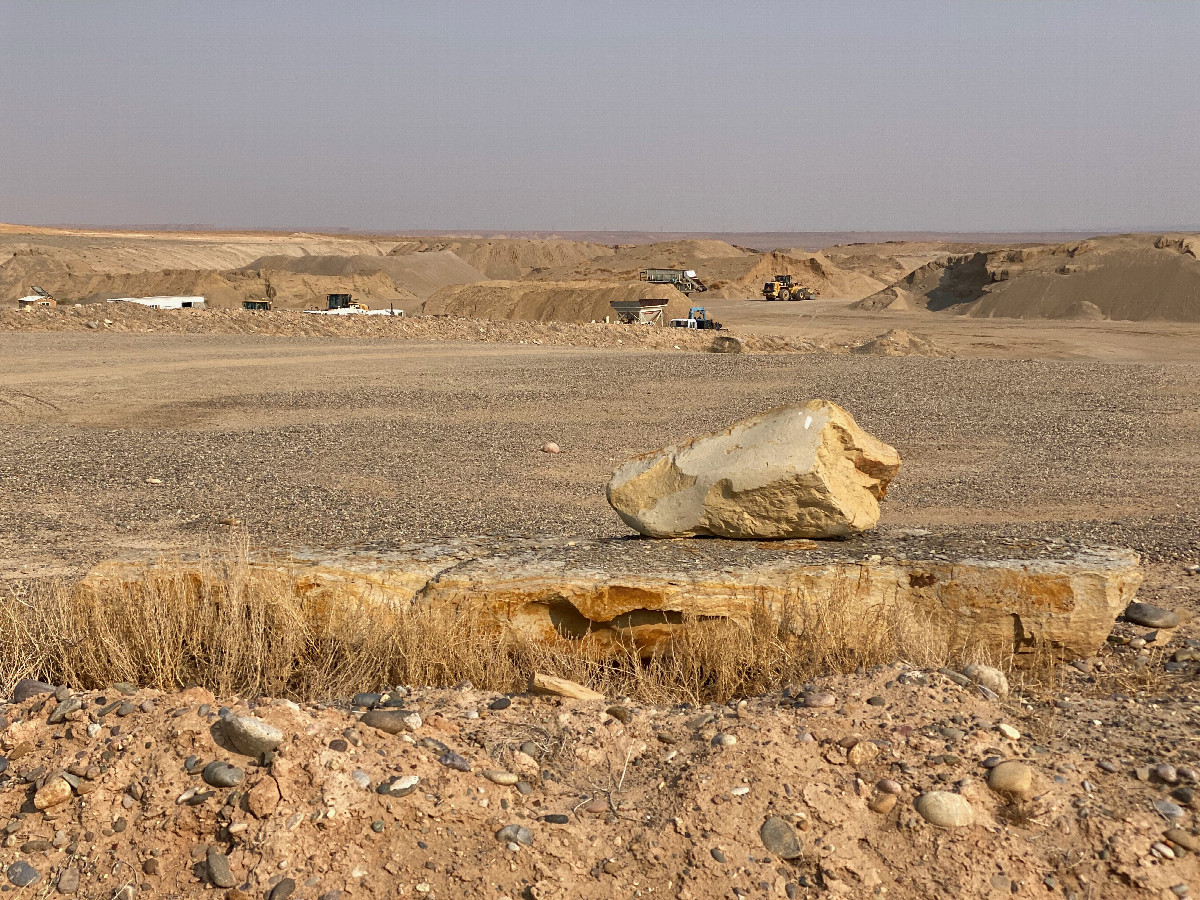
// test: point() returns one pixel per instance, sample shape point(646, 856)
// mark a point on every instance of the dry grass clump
point(243, 629)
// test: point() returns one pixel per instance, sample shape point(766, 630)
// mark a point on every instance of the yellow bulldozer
point(781, 287)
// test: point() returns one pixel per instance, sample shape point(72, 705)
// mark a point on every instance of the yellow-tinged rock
point(562, 687)
point(798, 471)
point(54, 791)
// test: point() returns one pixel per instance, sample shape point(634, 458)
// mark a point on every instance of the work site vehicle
point(697, 318)
point(684, 279)
point(781, 287)
point(256, 304)
point(345, 301)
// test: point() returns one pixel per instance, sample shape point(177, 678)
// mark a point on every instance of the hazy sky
point(691, 116)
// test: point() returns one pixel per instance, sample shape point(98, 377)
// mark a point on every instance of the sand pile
point(538, 301)
point(511, 257)
point(898, 342)
point(423, 274)
point(1130, 277)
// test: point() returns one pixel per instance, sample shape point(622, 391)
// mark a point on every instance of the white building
point(164, 302)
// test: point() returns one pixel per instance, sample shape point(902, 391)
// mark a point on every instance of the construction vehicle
point(684, 279)
point(345, 301)
point(781, 287)
point(256, 304)
point(697, 318)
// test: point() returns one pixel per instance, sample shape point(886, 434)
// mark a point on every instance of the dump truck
point(684, 279)
point(782, 287)
point(697, 318)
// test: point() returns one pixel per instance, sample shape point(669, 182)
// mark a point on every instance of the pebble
point(1012, 778)
point(400, 786)
point(862, 753)
point(1168, 809)
point(56, 790)
point(251, 736)
point(218, 868)
point(515, 834)
point(500, 703)
point(620, 713)
point(496, 776)
point(22, 874)
point(68, 881)
point(452, 760)
point(883, 804)
point(556, 819)
point(717, 854)
point(362, 779)
point(221, 774)
point(1166, 773)
point(944, 809)
point(819, 700)
point(551, 447)
point(780, 838)
point(1184, 839)
point(888, 786)
point(724, 740)
point(282, 890)
point(1150, 616)
point(1009, 731)
point(989, 677)
point(392, 721)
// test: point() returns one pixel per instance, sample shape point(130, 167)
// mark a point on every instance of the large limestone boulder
point(798, 471)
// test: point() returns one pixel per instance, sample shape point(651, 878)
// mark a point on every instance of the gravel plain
point(111, 441)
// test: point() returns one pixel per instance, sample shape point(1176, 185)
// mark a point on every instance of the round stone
point(819, 700)
point(944, 809)
point(780, 838)
point(220, 774)
point(500, 703)
point(1012, 778)
point(1009, 731)
point(22, 874)
point(888, 786)
point(551, 447)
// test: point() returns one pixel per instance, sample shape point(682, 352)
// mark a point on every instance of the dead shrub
point(243, 628)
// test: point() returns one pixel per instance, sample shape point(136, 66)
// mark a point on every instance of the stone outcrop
point(608, 594)
point(798, 471)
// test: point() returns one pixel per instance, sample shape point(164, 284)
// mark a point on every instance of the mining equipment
point(697, 318)
point(684, 279)
point(781, 287)
point(256, 304)
point(344, 301)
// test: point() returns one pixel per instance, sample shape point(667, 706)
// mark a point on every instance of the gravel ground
point(339, 442)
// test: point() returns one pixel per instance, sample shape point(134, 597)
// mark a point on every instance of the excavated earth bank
point(602, 593)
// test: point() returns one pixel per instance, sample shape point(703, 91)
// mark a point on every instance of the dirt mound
point(898, 342)
point(512, 257)
point(537, 301)
point(810, 270)
point(422, 274)
point(1130, 277)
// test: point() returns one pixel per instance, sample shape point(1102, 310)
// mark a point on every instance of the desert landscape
point(348, 605)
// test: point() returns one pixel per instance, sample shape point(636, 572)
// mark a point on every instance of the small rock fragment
point(516, 834)
point(944, 809)
point(251, 735)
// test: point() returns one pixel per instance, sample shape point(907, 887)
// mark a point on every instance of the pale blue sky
point(698, 116)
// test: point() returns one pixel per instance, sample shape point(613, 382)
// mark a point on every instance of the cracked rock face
point(797, 471)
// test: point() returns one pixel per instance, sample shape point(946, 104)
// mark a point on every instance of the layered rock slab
point(608, 594)
point(798, 471)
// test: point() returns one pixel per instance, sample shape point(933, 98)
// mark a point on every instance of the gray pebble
point(221, 774)
point(516, 834)
point(780, 838)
